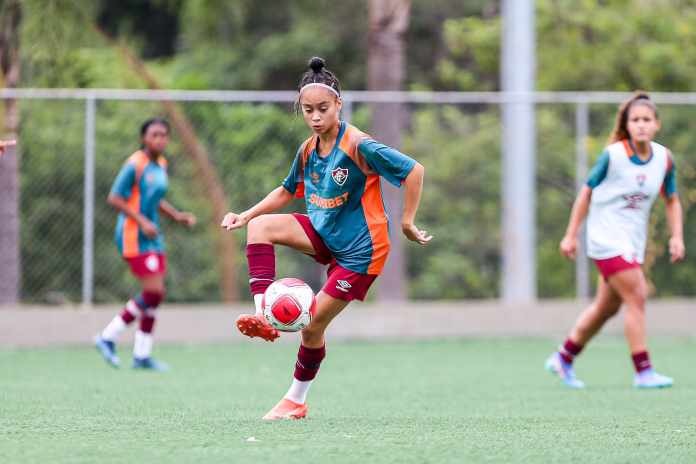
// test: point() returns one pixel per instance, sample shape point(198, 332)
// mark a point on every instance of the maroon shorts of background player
point(148, 264)
point(342, 283)
point(610, 266)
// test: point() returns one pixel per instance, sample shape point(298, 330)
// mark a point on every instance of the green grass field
point(448, 401)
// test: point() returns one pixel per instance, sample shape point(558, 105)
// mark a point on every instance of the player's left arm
point(181, 217)
point(413, 187)
point(674, 213)
point(401, 171)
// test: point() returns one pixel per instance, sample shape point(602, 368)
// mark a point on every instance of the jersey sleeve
point(294, 182)
point(669, 185)
point(123, 185)
point(599, 171)
point(389, 163)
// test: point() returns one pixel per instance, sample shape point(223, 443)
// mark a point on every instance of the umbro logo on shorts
point(343, 285)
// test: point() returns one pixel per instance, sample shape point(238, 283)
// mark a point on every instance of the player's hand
point(676, 249)
point(6, 143)
point(187, 219)
point(233, 221)
point(414, 234)
point(569, 246)
point(148, 228)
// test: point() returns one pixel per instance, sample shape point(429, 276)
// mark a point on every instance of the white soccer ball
point(289, 304)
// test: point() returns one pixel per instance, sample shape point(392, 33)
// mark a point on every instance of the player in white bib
point(623, 184)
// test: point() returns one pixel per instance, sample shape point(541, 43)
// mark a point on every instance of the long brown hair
point(620, 131)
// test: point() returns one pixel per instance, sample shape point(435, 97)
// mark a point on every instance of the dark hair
point(319, 74)
point(620, 130)
point(152, 121)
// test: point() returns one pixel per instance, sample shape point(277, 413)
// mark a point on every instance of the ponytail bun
point(316, 64)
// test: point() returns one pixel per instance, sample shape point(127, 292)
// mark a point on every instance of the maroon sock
point(641, 361)
point(147, 321)
point(131, 310)
point(569, 350)
point(261, 258)
point(148, 303)
point(127, 316)
point(308, 362)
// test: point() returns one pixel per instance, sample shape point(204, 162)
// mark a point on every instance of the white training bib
point(617, 224)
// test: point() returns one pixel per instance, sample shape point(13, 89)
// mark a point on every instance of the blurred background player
point(337, 171)
point(138, 193)
point(621, 189)
point(4, 144)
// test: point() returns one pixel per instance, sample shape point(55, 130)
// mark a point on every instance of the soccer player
point(337, 171)
point(4, 144)
point(138, 194)
point(619, 194)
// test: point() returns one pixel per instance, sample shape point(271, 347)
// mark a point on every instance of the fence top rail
point(579, 97)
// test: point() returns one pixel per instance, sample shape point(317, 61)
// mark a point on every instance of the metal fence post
point(582, 268)
point(88, 226)
point(518, 140)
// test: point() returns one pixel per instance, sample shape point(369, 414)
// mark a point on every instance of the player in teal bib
point(138, 194)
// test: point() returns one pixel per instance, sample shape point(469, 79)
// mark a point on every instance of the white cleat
point(651, 379)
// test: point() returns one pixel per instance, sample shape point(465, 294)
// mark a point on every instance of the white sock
point(142, 347)
point(298, 391)
point(258, 299)
point(114, 329)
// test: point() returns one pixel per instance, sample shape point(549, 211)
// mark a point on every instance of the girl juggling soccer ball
point(620, 191)
point(138, 194)
point(337, 171)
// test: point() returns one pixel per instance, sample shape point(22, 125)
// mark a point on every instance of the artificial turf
point(465, 400)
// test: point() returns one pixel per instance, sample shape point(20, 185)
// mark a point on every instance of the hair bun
point(316, 64)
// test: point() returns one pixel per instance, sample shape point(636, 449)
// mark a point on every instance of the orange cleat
point(252, 326)
point(286, 409)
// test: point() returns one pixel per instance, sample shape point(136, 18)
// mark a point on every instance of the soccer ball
point(289, 304)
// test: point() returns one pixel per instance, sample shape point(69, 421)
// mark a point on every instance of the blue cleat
point(651, 379)
point(556, 365)
point(150, 364)
point(107, 349)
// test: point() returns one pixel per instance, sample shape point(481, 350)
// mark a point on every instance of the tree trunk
point(226, 246)
point(10, 17)
point(386, 65)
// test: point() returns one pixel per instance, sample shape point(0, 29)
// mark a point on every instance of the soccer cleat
point(556, 365)
point(107, 349)
point(253, 326)
point(150, 364)
point(651, 379)
point(286, 409)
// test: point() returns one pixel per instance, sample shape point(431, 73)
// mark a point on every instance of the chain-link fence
point(72, 144)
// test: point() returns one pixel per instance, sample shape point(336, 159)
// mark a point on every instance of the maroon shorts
point(610, 266)
point(342, 284)
point(148, 264)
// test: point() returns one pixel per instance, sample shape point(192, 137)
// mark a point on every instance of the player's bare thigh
point(328, 308)
point(152, 283)
point(281, 229)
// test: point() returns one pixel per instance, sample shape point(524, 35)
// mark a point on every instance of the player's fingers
point(228, 219)
point(425, 240)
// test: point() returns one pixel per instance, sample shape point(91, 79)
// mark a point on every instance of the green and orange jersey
point(344, 198)
point(142, 182)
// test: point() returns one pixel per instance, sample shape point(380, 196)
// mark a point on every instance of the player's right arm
point(6, 143)
point(119, 195)
point(277, 199)
point(598, 173)
point(293, 186)
point(569, 244)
